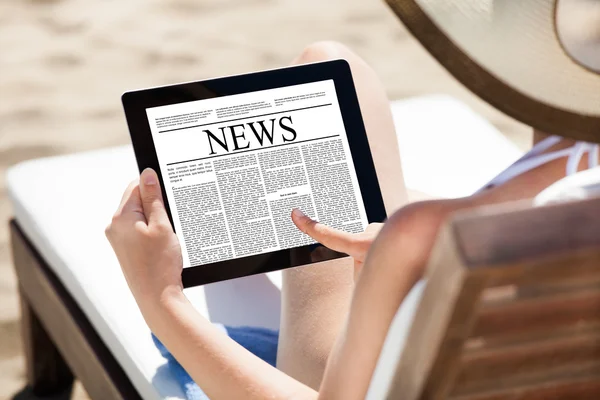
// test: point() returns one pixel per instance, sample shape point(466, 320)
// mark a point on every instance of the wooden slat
point(479, 343)
point(514, 233)
point(583, 271)
point(527, 362)
point(539, 314)
point(581, 388)
point(67, 326)
point(548, 272)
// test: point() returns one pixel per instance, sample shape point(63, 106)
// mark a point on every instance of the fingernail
point(298, 213)
point(149, 177)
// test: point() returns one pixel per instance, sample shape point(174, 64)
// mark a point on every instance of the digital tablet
point(236, 155)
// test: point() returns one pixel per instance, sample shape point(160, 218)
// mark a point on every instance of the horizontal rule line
point(246, 151)
point(247, 117)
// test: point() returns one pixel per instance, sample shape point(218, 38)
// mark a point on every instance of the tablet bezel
point(136, 102)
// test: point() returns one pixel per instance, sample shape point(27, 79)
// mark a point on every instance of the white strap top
point(536, 157)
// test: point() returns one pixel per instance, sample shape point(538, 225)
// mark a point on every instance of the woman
point(334, 316)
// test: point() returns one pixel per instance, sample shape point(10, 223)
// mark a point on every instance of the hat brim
point(480, 81)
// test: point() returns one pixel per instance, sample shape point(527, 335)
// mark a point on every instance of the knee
point(418, 215)
point(323, 51)
point(409, 235)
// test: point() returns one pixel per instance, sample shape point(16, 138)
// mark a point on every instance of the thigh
point(315, 299)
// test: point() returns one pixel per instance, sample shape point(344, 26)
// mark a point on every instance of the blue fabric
point(259, 341)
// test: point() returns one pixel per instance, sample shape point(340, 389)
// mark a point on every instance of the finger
point(152, 200)
point(333, 238)
point(129, 211)
point(126, 196)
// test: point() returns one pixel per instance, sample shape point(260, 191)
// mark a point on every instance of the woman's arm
point(220, 366)
point(150, 256)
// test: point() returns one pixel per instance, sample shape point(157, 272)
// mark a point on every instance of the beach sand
point(65, 64)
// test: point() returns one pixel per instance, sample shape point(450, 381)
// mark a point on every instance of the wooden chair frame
point(507, 270)
point(60, 342)
point(511, 309)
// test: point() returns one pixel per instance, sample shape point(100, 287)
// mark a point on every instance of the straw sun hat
point(536, 60)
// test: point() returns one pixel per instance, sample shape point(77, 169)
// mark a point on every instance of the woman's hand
point(355, 245)
point(145, 244)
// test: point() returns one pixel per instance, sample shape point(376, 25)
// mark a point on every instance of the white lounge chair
point(75, 299)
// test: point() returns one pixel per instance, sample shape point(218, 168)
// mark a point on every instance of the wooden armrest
point(511, 309)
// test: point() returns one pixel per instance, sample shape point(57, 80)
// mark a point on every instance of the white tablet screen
point(235, 166)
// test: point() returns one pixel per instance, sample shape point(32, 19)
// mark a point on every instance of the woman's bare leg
point(377, 116)
point(315, 299)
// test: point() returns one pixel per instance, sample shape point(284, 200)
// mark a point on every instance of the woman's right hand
point(355, 245)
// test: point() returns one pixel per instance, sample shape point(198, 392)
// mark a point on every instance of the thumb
point(152, 200)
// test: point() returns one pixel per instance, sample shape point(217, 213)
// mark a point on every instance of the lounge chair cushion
point(64, 203)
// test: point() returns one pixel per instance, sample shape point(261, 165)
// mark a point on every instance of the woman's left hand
point(145, 244)
point(355, 245)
